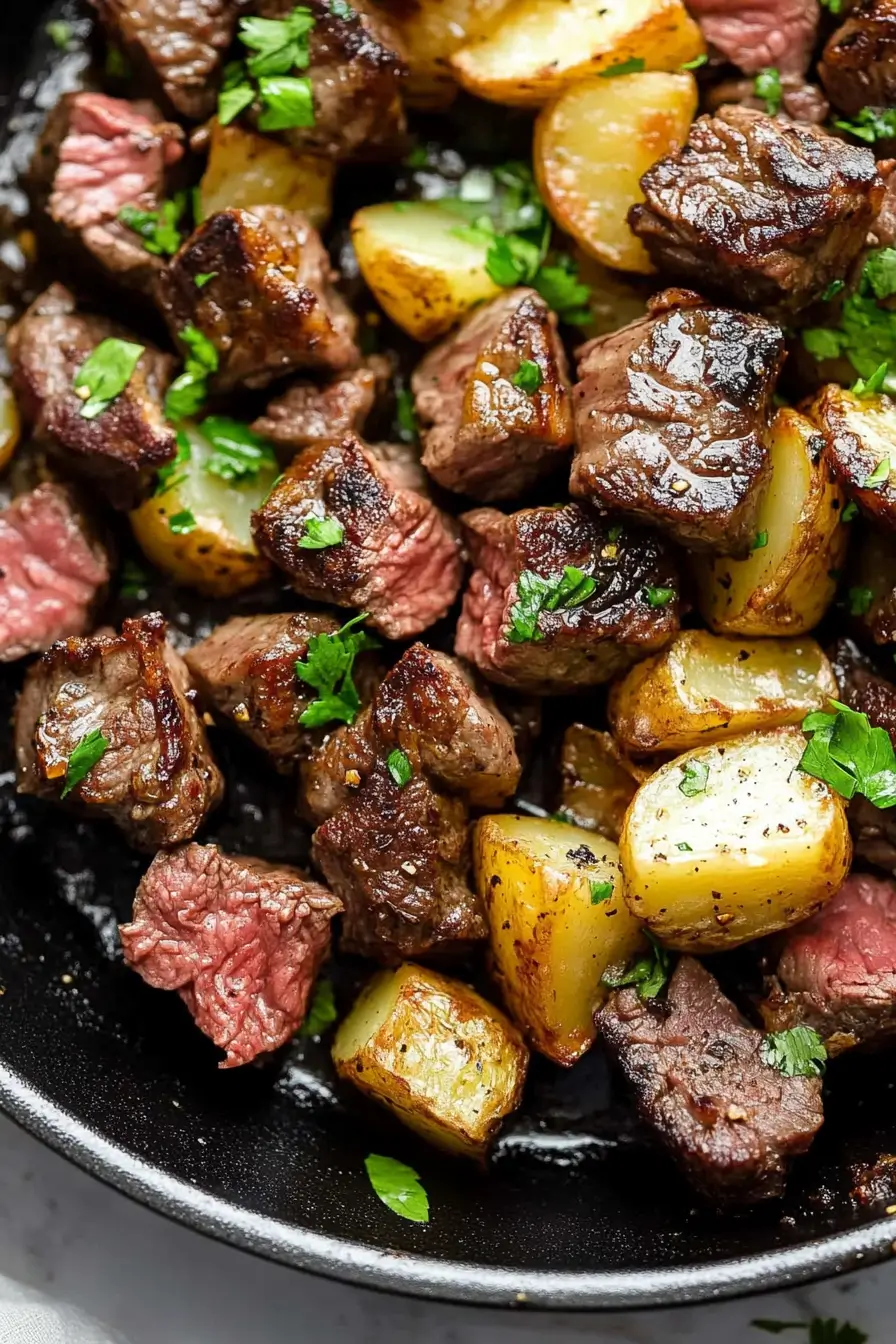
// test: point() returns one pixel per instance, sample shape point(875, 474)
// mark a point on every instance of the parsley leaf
point(60, 33)
point(880, 272)
point(860, 600)
point(328, 670)
point(398, 1187)
point(322, 1010)
point(850, 756)
point(767, 86)
point(528, 376)
point(321, 533)
point(134, 580)
point(406, 415)
point(340, 10)
point(658, 597)
point(280, 45)
point(105, 374)
point(234, 100)
point(238, 454)
point(600, 892)
point(879, 476)
point(633, 66)
point(158, 228)
point(171, 474)
point(832, 291)
point(536, 594)
point(91, 748)
point(649, 973)
point(287, 101)
point(696, 63)
point(694, 778)
point(798, 1052)
point(865, 333)
point(189, 390)
point(850, 511)
point(559, 285)
point(399, 767)
point(760, 541)
point(684, 847)
point(182, 523)
point(870, 387)
point(202, 278)
point(870, 124)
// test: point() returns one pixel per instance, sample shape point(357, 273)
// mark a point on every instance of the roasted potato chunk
point(196, 527)
point(599, 782)
point(245, 169)
point(431, 31)
point(732, 842)
point(557, 921)
point(787, 582)
point(10, 424)
point(448, 1063)
point(592, 146)
point(703, 688)
point(860, 434)
point(539, 46)
point(423, 275)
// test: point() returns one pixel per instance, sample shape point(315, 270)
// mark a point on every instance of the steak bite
point(837, 971)
point(118, 450)
point(492, 433)
point(858, 67)
point(863, 689)
point(53, 570)
point(308, 413)
point(672, 414)
point(98, 155)
point(175, 47)
point(156, 779)
point(399, 557)
point(246, 671)
point(760, 210)
point(240, 939)
point(529, 623)
point(730, 1120)
point(270, 307)
point(755, 34)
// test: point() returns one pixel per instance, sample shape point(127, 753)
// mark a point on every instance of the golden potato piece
point(788, 581)
point(421, 272)
point(599, 782)
point(538, 47)
point(704, 688)
point(557, 921)
point(860, 434)
point(430, 32)
point(732, 842)
point(196, 528)
point(446, 1061)
point(245, 169)
point(591, 148)
point(10, 424)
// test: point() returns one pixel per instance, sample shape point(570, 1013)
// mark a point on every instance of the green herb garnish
point(860, 600)
point(187, 394)
point(182, 523)
point(694, 778)
point(798, 1052)
point(600, 892)
point(340, 10)
point(321, 1012)
point(278, 47)
point(696, 63)
point(398, 1187)
point(871, 387)
point(202, 278)
point(760, 541)
point(870, 124)
point(649, 973)
point(328, 669)
point(832, 291)
point(684, 847)
point(850, 511)
point(657, 597)
point(536, 594)
point(406, 416)
point(237, 453)
point(850, 756)
point(105, 374)
point(91, 748)
point(865, 333)
point(60, 33)
point(528, 376)
point(321, 533)
point(287, 101)
point(399, 767)
point(134, 580)
point(633, 66)
point(157, 228)
point(767, 86)
point(879, 476)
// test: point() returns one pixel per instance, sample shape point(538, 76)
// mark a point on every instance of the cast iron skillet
point(577, 1211)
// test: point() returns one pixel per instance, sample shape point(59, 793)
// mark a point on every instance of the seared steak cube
point(241, 941)
point(118, 450)
point(496, 395)
point(53, 570)
point(763, 211)
point(863, 689)
point(155, 778)
point(357, 73)
point(98, 155)
point(755, 34)
point(560, 599)
point(175, 47)
point(858, 67)
point(270, 307)
point(308, 412)
point(671, 418)
point(732, 1121)
point(399, 556)
point(246, 670)
point(837, 971)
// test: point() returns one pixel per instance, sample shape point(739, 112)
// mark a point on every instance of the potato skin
point(763, 847)
point(703, 688)
point(550, 940)
point(430, 32)
point(246, 169)
point(859, 434)
point(447, 1062)
point(599, 782)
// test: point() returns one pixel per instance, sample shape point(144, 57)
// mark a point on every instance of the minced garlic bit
point(352, 778)
point(409, 868)
point(241, 712)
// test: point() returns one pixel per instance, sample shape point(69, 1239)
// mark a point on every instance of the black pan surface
point(577, 1209)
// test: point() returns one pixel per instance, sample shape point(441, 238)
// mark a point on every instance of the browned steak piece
point(858, 67)
point(308, 412)
point(53, 570)
point(246, 670)
point(731, 1121)
point(119, 450)
point(755, 34)
point(545, 644)
point(96, 156)
point(760, 210)
point(491, 437)
point(240, 939)
point(863, 689)
point(837, 971)
point(156, 778)
point(270, 307)
point(399, 558)
point(671, 418)
point(174, 46)
point(357, 73)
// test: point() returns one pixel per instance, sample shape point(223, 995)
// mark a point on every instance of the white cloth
point(28, 1317)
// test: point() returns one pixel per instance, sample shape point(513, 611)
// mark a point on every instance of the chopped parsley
point(173, 474)
point(399, 767)
point(821, 1330)
point(406, 415)
point(870, 124)
point(91, 749)
point(798, 1052)
point(767, 86)
point(649, 973)
point(694, 778)
point(321, 533)
point(871, 387)
point(528, 376)
point(600, 892)
point(684, 847)
point(833, 7)
point(322, 1010)
point(850, 756)
point(398, 1187)
point(202, 278)
point(760, 541)
point(286, 101)
point(236, 94)
point(696, 63)
point(860, 600)
point(182, 523)
point(328, 668)
point(536, 594)
point(658, 597)
point(60, 33)
point(340, 10)
point(189, 390)
point(116, 64)
point(237, 453)
point(832, 291)
point(879, 476)
point(134, 580)
point(105, 374)
point(278, 46)
point(633, 66)
point(158, 228)
point(865, 333)
point(850, 511)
